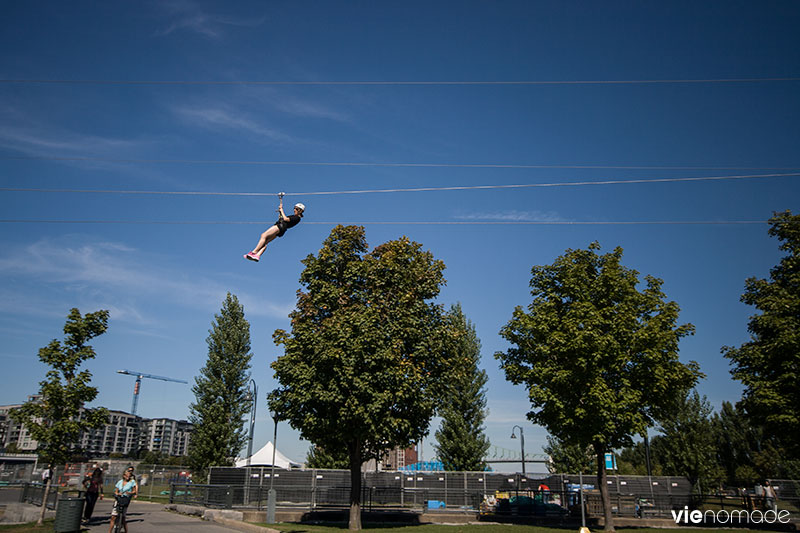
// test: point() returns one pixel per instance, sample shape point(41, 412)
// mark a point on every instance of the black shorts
point(281, 229)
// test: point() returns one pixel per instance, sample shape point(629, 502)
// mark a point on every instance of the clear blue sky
point(163, 283)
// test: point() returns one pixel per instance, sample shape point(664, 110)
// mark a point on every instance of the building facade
point(123, 434)
point(12, 432)
point(120, 435)
point(170, 437)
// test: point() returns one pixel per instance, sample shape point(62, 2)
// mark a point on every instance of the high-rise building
point(12, 432)
point(123, 434)
point(170, 437)
point(119, 435)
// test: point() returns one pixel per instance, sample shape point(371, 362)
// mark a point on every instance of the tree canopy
point(461, 441)
point(568, 458)
point(221, 396)
point(598, 356)
point(56, 417)
point(687, 446)
point(365, 361)
point(769, 364)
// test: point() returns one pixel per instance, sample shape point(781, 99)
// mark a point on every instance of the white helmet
point(300, 206)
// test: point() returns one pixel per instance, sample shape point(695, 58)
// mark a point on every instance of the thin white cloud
point(290, 104)
point(115, 277)
point(515, 216)
point(43, 140)
point(220, 117)
point(188, 16)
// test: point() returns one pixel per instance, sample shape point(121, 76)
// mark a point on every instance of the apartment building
point(12, 432)
point(170, 437)
point(124, 434)
point(120, 435)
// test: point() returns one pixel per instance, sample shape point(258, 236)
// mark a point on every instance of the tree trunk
point(355, 487)
point(44, 500)
point(600, 450)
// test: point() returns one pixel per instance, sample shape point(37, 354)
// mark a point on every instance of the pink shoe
point(251, 256)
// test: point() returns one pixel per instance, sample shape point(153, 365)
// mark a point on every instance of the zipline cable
point(10, 81)
point(413, 189)
point(404, 223)
point(378, 164)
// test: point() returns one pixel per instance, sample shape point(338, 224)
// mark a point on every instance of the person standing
point(47, 473)
point(770, 497)
point(93, 483)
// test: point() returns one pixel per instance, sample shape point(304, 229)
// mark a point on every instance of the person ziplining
point(278, 229)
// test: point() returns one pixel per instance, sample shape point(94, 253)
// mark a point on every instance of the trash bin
point(68, 515)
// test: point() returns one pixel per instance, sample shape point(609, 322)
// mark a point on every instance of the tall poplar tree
point(364, 364)
point(598, 356)
point(56, 418)
point(221, 396)
point(461, 441)
point(769, 364)
point(687, 446)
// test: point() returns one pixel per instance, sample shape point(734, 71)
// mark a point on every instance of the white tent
point(263, 457)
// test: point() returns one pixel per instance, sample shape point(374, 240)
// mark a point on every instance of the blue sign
point(611, 462)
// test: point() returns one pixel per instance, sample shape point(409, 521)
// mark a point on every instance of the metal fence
point(537, 495)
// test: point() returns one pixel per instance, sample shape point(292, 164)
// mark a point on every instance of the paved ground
point(145, 517)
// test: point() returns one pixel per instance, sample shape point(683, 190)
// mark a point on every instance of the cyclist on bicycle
point(123, 491)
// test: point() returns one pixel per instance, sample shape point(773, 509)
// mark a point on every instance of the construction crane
point(139, 376)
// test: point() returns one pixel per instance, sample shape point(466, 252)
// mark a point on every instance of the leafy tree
point(688, 446)
point(56, 417)
point(632, 460)
point(319, 458)
point(461, 441)
point(148, 457)
point(569, 458)
point(221, 391)
point(737, 441)
point(769, 364)
point(363, 366)
point(598, 356)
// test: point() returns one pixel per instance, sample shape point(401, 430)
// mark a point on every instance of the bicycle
point(122, 503)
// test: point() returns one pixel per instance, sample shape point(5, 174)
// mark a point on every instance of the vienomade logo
point(686, 516)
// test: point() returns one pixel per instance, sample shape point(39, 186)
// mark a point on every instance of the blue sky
point(164, 282)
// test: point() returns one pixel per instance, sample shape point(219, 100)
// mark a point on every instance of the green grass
point(460, 528)
point(47, 527)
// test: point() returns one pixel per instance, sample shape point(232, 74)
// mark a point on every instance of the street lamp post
point(521, 444)
point(271, 493)
point(254, 398)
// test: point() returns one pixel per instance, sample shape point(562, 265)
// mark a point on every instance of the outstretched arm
point(280, 210)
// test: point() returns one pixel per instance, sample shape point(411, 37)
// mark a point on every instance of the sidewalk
point(145, 517)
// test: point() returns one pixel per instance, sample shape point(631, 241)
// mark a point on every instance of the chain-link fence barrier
point(488, 492)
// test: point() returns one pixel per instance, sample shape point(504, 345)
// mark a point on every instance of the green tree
point(746, 452)
point(57, 417)
point(461, 441)
point(363, 366)
point(769, 364)
point(632, 460)
point(737, 441)
point(221, 396)
point(319, 458)
point(598, 356)
point(688, 445)
point(569, 458)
